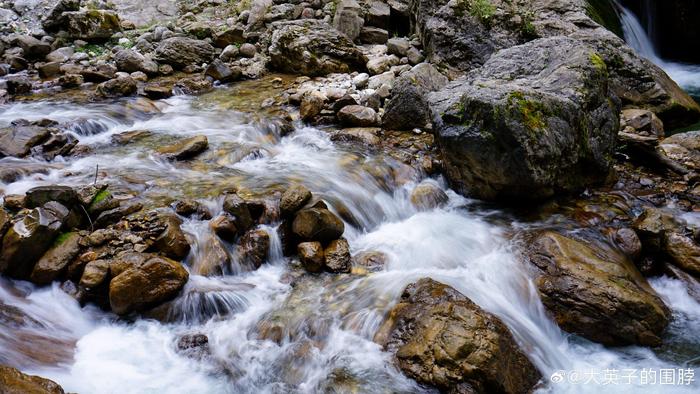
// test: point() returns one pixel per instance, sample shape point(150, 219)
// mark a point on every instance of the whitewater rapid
point(327, 323)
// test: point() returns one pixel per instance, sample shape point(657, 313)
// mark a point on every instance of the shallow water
point(265, 335)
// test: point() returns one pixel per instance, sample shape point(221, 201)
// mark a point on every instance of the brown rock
point(185, 149)
point(596, 293)
point(428, 196)
point(172, 242)
point(311, 255)
point(254, 247)
point(236, 206)
point(317, 224)
point(442, 339)
point(52, 264)
point(12, 381)
point(337, 256)
point(225, 227)
point(27, 240)
point(145, 285)
point(294, 199)
point(96, 273)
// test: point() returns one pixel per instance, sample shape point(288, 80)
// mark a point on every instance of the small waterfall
point(640, 39)
point(637, 37)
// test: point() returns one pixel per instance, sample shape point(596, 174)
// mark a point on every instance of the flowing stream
point(266, 336)
point(686, 75)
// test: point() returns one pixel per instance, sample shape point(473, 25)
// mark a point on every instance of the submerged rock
point(534, 120)
point(442, 339)
point(596, 293)
point(428, 195)
point(185, 149)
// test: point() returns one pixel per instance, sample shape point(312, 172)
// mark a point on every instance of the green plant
point(92, 50)
point(62, 238)
point(527, 28)
point(99, 197)
point(482, 10)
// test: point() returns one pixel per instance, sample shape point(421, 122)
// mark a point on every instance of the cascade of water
point(637, 37)
point(267, 336)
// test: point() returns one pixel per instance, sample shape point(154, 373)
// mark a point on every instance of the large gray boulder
point(130, 61)
point(313, 48)
point(408, 107)
point(347, 19)
point(461, 35)
point(534, 120)
point(180, 52)
point(90, 25)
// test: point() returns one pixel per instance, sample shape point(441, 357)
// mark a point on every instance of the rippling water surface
point(265, 335)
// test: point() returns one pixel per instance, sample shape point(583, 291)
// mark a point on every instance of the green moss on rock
point(532, 112)
point(605, 13)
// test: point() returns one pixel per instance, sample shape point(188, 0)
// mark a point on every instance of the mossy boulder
point(313, 48)
point(535, 120)
point(91, 25)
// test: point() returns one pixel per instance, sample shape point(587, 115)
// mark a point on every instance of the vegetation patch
point(605, 13)
point(532, 112)
point(99, 197)
point(598, 62)
point(482, 10)
point(62, 238)
point(92, 50)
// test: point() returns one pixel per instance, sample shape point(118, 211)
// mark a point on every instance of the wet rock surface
point(596, 293)
point(145, 284)
point(512, 101)
point(443, 339)
point(514, 129)
point(12, 381)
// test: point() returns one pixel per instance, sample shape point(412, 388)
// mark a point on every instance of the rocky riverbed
point(464, 196)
